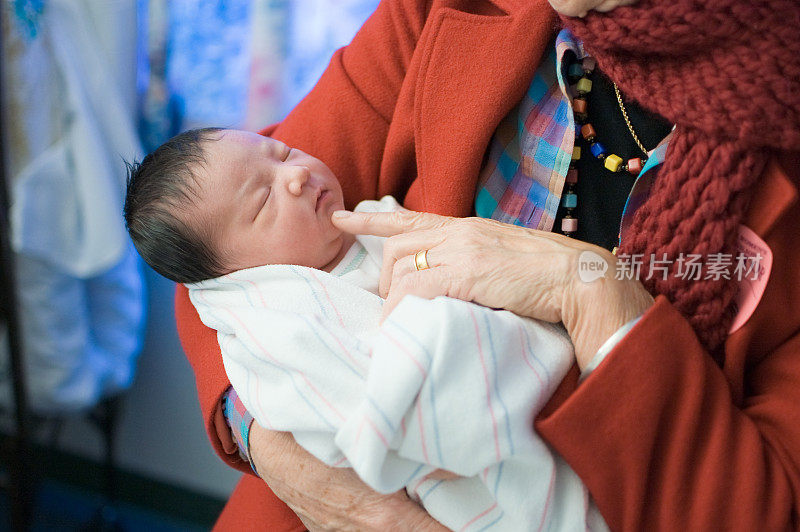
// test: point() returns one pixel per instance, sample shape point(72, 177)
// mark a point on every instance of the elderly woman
point(683, 411)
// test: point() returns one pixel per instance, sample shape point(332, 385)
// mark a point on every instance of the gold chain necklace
point(627, 120)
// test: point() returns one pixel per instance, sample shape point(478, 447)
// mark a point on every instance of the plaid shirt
point(522, 181)
point(531, 149)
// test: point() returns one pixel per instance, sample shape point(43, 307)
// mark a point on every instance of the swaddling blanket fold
point(441, 383)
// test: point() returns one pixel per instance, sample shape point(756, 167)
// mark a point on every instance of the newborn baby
point(442, 384)
point(212, 201)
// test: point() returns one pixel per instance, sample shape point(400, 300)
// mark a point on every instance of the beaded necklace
point(580, 74)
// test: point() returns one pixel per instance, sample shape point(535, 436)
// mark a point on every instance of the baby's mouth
point(321, 195)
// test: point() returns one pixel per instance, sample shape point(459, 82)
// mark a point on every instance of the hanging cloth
point(67, 190)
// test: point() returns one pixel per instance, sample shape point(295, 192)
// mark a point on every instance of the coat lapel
point(475, 69)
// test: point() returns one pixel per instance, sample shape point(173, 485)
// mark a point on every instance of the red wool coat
point(663, 437)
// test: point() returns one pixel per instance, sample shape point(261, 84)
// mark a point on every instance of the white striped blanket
point(441, 384)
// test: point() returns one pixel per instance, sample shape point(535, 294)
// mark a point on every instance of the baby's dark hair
point(163, 182)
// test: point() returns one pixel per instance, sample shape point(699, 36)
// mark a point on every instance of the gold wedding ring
point(421, 260)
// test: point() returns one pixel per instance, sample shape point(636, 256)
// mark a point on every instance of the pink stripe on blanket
point(525, 353)
point(327, 296)
point(422, 433)
point(405, 352)
point(486, 511)
point(486, 382)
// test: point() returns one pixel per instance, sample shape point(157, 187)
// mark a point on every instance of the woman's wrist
point(593, 311)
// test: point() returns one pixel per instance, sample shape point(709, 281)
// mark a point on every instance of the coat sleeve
point(661, 442)
point(344, 122)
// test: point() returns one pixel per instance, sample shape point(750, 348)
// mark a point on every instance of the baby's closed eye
point(261, 202)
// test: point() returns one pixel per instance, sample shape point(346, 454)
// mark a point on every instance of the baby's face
point(267, 203)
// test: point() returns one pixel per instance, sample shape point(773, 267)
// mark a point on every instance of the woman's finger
point(402, 267)
point(387, 223)
point(401, 247)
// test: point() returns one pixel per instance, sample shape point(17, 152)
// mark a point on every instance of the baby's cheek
point(573, 8)
point(579, 8)
point(608, 5)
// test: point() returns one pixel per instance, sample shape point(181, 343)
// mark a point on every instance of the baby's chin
point(342, 243)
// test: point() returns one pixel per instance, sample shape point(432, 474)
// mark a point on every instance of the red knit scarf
point(727, 73)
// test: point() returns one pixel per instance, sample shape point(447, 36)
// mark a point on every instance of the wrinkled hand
point(327, 498)
point(529, 272)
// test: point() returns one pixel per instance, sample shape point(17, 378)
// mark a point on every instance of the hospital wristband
point(239, 420)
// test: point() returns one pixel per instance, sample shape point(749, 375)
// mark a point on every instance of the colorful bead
point(572, 176)
point(613, 162)
point(598, 150)
point(635, 166)
point(580, 106)
point(579, 74)
point(569, 224)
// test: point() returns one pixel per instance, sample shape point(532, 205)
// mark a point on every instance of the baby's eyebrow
point(278, 149)
point(271, 146)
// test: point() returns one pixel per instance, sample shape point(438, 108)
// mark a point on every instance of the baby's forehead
point(218, 157)
point(199, 182)
point(218, 181)
point(233, 146)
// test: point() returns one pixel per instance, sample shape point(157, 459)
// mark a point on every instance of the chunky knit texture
point(727, 73)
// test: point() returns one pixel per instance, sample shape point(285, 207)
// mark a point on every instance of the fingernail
point(341, 214)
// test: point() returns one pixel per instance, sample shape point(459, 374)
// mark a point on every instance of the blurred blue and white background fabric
point(81, 297)
point(234, 63)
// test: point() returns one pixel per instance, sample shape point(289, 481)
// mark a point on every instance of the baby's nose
point(296, 177)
